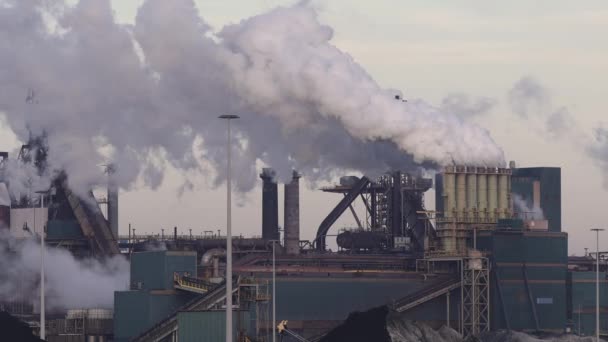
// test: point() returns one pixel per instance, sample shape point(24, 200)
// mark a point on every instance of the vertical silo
point(472, 193)
point(461, 193)
point(482, 193)
point(503, 193)
point(449, 191)
point(492, 194)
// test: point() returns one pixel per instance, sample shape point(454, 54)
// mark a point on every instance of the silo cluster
point(476, 194)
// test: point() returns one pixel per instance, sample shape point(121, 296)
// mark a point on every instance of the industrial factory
point(492, 255)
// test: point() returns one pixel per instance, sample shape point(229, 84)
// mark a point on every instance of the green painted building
point(152, 297)
point(540, 186)
point(582, 306)
point(529, 279)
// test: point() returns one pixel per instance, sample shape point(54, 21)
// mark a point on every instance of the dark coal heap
point(12, 329)
point(365, 326)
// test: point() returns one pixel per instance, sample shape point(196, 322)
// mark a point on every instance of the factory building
point(540, 188)
point(490, 256)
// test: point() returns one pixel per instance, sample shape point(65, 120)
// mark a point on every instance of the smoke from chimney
point(148, 95)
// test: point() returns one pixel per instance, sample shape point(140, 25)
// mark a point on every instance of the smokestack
point(112, 202)
point(292, 215)
point(5, 207)
point(270, 205)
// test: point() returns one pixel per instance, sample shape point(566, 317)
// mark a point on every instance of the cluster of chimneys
point(270, 211)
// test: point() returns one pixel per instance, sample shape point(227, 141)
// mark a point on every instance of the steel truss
point(475, 294)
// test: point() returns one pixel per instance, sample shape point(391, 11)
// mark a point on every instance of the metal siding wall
point(545, 258)
point(130, 314)
point(64, 229)
point(155, 269)
point(550, 185)
point(583, 302)
point(178, 263)
point(197, 326)
point(334, 299)
point(148, 268)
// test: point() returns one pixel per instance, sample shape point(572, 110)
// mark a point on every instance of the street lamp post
point(229, 118)
point(42, 250)
point(274, 293)
point(597, 282)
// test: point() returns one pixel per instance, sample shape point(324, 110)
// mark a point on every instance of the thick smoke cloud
point(70, 283)
point(141, 96)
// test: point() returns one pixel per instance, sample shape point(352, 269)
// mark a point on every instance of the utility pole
point(597, 282)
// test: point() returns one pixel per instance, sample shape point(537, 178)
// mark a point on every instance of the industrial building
point(480, 261)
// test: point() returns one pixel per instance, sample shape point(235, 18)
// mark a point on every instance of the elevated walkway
point(426, 294)
point(191, 284)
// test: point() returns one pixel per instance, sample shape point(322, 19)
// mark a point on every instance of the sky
point(431, 50)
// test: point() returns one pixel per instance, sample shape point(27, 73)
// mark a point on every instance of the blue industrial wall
point(583, 302)
point(550, 191)
point(196, 326)
point(153, 297)
point(154, 270)
point(529, 271)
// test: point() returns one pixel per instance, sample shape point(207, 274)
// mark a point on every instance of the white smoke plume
point(467, 106)
point(150, 90)
point(70, 283)
point(527, 210)
point(531, 100)
point(598, 150)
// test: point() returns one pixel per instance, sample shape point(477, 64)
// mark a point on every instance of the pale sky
point(429, 50)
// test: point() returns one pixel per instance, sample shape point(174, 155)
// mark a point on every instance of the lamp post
point(229, 118)
point(597, 282)
point(274, 293)
point(42, 250)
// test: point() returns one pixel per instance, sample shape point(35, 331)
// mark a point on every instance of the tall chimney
point(112, 202)
point(270, 205)
point(292, 215)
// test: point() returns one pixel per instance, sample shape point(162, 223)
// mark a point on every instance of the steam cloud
point(149, 94)
point(527, 210)
point(70, 283)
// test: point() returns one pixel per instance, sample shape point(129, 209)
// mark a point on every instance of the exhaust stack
point(292, 215)
point(270, 205)
point(112, 202)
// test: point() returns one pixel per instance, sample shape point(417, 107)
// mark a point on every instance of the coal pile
point(14, 330)
point(368, 326)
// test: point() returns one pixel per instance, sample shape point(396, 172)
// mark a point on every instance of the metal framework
point(475, 294)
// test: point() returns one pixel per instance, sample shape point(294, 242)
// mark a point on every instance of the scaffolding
point(475, 294)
